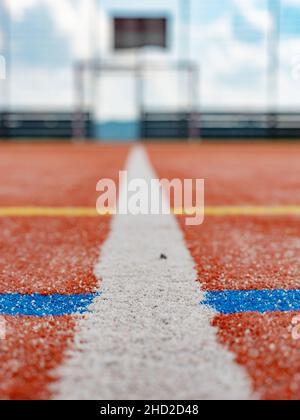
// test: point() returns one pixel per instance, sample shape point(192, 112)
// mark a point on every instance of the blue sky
point(229, 42)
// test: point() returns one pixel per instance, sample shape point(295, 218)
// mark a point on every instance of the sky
point(229, 40)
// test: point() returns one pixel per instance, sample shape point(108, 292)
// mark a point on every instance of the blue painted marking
point(262, 301)
point(44, 305)
point(225, 302)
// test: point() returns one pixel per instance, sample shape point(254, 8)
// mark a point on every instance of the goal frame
point(96, 68)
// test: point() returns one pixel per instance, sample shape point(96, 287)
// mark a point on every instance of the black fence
point(157, 125)
point(220, 125)
point(41, 125)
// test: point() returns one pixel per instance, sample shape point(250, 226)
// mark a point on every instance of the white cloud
point(256, 16)
point(227, 64)
point(291, 2)
point(43, 89)
point(18, 7)
point(78, 20)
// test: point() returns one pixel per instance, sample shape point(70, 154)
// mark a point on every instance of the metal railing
point(229, 125)
point(39, 125)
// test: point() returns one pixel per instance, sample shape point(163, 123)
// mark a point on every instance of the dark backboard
point(136, 32)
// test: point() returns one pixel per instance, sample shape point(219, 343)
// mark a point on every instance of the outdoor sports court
point(149, 202)
point(84, 309)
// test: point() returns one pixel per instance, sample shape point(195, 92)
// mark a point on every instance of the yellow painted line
point(254, 211)
point(92, 212)
point(48, 212)
point(245, 211)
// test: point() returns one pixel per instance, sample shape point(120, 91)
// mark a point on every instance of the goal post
point(87, 72)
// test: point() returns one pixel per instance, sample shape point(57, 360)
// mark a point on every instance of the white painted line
point(147, 336)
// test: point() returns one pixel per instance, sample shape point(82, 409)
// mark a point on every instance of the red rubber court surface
point(247, 252)
point(264, 345)
point(48, 255)
point(33, 348)
point(58, 175)
point(235, 174)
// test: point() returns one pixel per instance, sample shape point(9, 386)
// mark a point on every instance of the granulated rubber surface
point(247, 252)
point(48, 255)
point(243, 255)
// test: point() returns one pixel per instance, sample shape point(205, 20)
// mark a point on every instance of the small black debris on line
point(163, 257)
